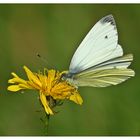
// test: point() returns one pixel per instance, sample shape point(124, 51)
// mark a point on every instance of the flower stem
point(46, 121)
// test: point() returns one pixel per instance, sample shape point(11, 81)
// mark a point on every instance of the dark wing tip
point(107, 19)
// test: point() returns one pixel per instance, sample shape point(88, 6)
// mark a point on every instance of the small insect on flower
point(98, 62)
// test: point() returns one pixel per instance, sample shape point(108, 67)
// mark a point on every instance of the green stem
point(46, 121)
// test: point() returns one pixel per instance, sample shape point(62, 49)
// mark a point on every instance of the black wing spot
point(108, 19)
point(106, 37)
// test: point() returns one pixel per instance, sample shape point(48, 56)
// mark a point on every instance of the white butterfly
point(99, 60)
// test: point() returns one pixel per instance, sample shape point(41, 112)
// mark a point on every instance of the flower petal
point(45, 104)
point(32, 77)
point(14, 88)
point(50, 79)
point(14, 75)
point(16, 80)
point(76, 98)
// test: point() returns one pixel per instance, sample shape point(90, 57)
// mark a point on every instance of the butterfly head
point(69, 77)
point(66, 76)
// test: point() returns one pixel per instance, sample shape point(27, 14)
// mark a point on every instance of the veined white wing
point(109, 73)
point(119, 62)
point(100, 45)
point(99, 60)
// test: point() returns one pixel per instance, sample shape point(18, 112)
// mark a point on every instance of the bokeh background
point(55, 31)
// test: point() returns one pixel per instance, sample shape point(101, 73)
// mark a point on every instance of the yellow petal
point(14, 75)
point(26, 86)
point(32, 77)
point(76, 98)
point(43, 80)
point(45, 104)
point(16, 80)
point(50, 79)
point(14, 88)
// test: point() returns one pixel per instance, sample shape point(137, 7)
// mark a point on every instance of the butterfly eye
point(63, 76)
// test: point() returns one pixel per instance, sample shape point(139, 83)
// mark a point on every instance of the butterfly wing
point(100, 45)
point(109, 73)
point(99, 60)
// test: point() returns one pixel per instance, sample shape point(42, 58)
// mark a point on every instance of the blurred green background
point(55, 31)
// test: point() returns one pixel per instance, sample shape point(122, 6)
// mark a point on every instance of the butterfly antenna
point(44, 60)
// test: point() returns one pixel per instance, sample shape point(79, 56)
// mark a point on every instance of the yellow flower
point(51, 88)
